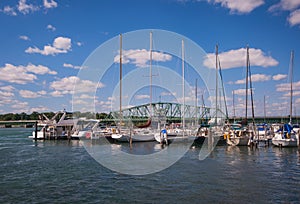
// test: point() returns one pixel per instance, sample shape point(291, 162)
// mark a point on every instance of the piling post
point(130, 140)
point(35, 131)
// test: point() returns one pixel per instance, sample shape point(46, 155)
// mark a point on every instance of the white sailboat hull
point(134, 137)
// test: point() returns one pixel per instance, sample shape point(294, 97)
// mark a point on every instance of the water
point(62, 172)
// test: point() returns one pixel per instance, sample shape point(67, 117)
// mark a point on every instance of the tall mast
point(265, 108)
point(233, 105)
point(196, 101)
point(291, 88)
point(251, 91)
point(183, 86)
point(120, 77)
point(216, 84)
point(247, 72)
point(150, 74)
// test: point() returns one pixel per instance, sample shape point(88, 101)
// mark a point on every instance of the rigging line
point(223, 89)
point(251, 91)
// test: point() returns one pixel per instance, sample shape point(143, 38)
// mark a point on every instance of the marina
point(59, 171)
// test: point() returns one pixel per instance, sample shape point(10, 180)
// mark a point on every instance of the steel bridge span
point(172, 111)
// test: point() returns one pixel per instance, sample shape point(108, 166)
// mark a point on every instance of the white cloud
point(241, 92)
point(31, 94)
point(22, 74)
point(16, 74)
point(140, 57)
point(73, 66)
point(237, 58)
point(287, 86)
point(6, 94)
point(50, 4)
point(294, 18)
point(51, 27)
point(255, 78)
point(79, 44)
point(19, 106)
point(7, 88)
point(26, 8)
point(279, 77)
point(287, 5)
point(9, 11)
point(139, 97)
point(66, 86)
point(239, 6)
point(39, 109)
point(60, 45)
point(24, 37)
point(39, 69)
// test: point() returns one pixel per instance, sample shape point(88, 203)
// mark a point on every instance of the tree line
point(37, 115)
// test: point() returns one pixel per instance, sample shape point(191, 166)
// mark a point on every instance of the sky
point(45, 45)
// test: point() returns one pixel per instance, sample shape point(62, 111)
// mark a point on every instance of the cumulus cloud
point(50, 4)
point(60, 45)
point(66, 86)
point(139, 97)
point(73, 66)
point(140, 57)
point(294, 18)
point(241, 92)
point(9, 11)
point(279, 77)
point(31, 94)
point(51, 27)
point(287, 86)
point(239, 6)
point(24, 37)
point(286, 5)
point(22, 74)
point(237, 58)
point(255, 78)
point(26, 8)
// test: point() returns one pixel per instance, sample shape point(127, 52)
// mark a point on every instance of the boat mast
point(233, 106)
point(251, 91)
point(196, 101)
point(291, 86)
point(247, 70)
point(265, 108)
point(120, 78)
point(183, 87)
point(150, 74)
point(216, 84)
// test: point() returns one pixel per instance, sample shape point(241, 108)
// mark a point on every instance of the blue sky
point(44, 44)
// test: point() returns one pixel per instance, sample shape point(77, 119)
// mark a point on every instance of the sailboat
point(244, 135)
point(139, 133)
point(286, 136)
point(182, 133)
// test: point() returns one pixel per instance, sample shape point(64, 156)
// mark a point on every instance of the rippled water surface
point(63, 172)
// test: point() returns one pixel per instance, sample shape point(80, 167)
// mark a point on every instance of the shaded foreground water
point(63, 172)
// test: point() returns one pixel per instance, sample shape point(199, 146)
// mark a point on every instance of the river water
point(63, 172)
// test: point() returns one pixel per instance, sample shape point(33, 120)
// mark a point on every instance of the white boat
point(238, 137)
point(135, 135)
point(51, 129)
point(246, 134)
point(286, 136)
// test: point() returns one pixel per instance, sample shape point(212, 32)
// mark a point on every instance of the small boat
point(135, 135)
point(285, 137)
point(51, 129)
